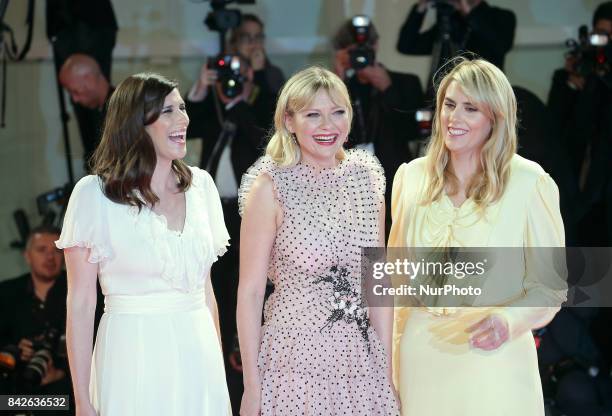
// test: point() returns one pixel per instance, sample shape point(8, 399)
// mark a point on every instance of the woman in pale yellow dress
point(473, 190)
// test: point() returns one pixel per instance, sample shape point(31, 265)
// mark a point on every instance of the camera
point(362, 55)
point(229, 73)
point(50, 345)
point(592, 54)
point(222, 19)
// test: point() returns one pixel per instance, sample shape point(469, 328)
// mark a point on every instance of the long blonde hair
point(297, 93)
point(488, 88)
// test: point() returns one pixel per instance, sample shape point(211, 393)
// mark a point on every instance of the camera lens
point(36, 369)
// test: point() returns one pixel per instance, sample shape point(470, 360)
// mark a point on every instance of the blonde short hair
point(489, 89)
point(297, 93)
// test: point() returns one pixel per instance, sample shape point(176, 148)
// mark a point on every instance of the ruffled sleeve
point(545, 283)
point(212, 201)
point(375, 171)
point(264, 164)
point(85, 221)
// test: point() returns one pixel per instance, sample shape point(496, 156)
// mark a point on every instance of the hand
point(53, 374)
point(251, 402)
point(341, 62)
point(25, 347)
point(258, 59)
point(206, 79)
point(376, 75)
point(489, 333)
point(85, 410)
point(574, 80)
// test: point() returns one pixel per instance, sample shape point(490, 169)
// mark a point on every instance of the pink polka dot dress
point(319, 354)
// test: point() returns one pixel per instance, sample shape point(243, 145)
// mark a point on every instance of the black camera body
point(221, 19)
point(363, 54)
point(229, 73)
point(50, 345)
point(592, 54)
point(361, 57)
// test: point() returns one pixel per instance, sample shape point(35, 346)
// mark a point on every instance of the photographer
point(475, 26)
point(384, 102)
point(580, 99)
point(33, 317)
point(249, 110)
point(89, 89)
point(87, 29)
point(248, 40)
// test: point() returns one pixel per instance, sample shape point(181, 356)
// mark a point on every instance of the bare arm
point(382, 317)
point(211, 302)
point(261, 216)
point(81, 306)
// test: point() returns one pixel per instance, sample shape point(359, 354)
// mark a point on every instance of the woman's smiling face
point(321, 129)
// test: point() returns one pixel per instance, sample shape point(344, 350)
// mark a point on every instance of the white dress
point(157, 351)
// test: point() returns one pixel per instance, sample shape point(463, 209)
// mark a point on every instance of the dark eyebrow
point(172, 105)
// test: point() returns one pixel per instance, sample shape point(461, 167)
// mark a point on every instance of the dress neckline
point(466, 202)
point(164, 220)
point(320, 170)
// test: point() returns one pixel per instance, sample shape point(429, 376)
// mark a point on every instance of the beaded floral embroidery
point(345, 303)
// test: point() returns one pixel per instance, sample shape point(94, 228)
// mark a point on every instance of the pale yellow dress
point(436, 370)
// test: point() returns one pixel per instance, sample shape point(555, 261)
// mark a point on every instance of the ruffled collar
point(443, 219)
point(184, 255)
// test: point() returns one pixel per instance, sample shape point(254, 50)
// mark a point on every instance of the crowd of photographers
point(231, 104)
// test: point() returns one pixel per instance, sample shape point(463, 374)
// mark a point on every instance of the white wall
point(168, 36)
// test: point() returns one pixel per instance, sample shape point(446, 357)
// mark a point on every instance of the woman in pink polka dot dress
point(308, 208)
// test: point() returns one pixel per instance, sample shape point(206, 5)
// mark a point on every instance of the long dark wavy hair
point(125, 158)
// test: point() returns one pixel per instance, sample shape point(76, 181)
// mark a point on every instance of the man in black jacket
point(33, 310)
point(475, 26)
point(83, 29)
point(384, 103)
point(90, 90)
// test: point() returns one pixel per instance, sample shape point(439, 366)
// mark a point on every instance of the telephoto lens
point(37, 367)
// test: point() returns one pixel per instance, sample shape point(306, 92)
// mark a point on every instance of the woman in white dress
point(150, 227)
